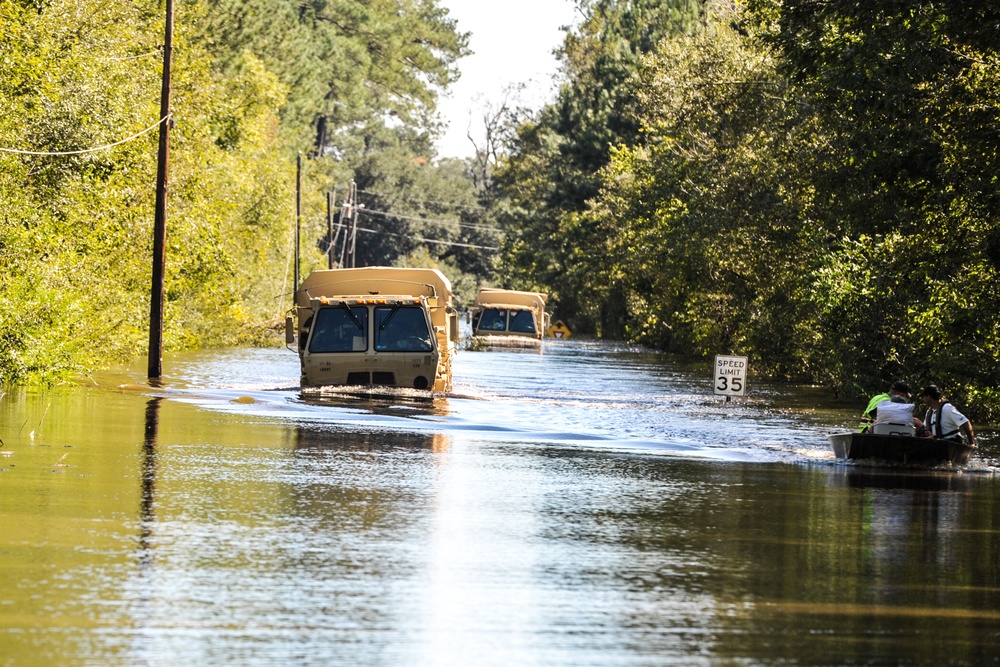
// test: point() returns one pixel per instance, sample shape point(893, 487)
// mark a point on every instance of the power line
point(152, 127)
point(425, 240)
point(438, 221)
point(121, 58)
point(414, 200)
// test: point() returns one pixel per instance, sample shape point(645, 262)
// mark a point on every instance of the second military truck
point(509, 318)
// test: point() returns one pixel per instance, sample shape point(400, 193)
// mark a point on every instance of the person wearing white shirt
point(898, 409)
point(943, 419)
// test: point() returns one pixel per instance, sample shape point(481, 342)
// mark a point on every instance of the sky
point(512, 41)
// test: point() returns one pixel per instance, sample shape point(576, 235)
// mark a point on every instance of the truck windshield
point(493, 319)
point(521, 321)
point(341, 329)
point(401, 329)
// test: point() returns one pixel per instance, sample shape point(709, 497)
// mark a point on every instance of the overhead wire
point(17, 151)
point(414, 200)
point(439, 221)
point(425, 240)
point(422, 239)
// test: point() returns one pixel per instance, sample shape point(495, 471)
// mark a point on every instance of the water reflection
point(336, 439)
point(909, 521)
point(885, 477)
point(147, 510)
point(570, 515)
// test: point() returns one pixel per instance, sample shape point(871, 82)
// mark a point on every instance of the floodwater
point(589, 505)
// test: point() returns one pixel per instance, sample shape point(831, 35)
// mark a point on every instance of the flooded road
point(591, 505)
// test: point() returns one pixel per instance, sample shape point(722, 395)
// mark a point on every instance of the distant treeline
point(813, 184)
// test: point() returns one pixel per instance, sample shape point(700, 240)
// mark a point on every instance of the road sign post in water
point(730, 376)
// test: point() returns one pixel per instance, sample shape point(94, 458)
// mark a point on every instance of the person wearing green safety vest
point(900, 392)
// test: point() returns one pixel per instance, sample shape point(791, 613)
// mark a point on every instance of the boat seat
point(893, 429)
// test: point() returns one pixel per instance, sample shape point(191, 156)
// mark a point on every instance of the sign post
point(730, 376)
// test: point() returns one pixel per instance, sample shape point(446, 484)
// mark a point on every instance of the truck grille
point(358, 377)
point(384, 378)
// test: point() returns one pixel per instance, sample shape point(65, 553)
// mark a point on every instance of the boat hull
point(899, 449)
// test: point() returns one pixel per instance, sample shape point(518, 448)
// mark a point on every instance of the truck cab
point(377, 326)
point(509, 317)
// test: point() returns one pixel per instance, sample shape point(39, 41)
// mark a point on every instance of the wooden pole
point(298, 225)
point(354, 235)
point(158, 288)
point(329, 229)
point(353, 213)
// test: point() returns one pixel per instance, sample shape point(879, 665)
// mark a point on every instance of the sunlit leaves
point(816, 188)
point(553, 166)
point(76, 229)
point(249, 81)
point(345, 60)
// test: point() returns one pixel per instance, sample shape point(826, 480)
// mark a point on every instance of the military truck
point(509, 318)
point(375, 326)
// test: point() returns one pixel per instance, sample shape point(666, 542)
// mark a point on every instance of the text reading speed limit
point(730, 375)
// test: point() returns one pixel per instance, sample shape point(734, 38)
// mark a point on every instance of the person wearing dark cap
point(896, 407)
point(943, 420)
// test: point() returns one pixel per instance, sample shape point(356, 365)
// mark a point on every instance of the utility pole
point(354, 235)
point(348, 224)
point(298, 227)
point(344, 220)
point(351, 209)
point(158, 288)
point(330, 239)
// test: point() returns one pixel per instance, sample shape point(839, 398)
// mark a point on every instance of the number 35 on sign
point(730, 376)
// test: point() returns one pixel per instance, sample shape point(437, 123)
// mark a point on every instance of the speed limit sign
point(730, 378)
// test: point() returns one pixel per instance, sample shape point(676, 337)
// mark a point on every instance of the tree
point(908, 94)
point(250, 79)
point(553, 166)
point(344, 61)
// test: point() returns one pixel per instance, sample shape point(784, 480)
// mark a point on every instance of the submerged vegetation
point(813, 184)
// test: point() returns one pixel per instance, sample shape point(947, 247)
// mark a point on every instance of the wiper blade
point(354, 318)
point(388, 318)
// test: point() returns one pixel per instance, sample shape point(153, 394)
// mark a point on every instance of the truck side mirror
point(289, 330)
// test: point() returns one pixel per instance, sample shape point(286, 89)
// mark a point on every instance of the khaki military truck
point(509, 318)
point(375, 326)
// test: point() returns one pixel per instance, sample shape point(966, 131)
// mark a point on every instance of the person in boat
point(943, 419)
point(892, 407)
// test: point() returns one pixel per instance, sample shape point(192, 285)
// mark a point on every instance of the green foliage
point(552, 167)
point(809, 183)
point(68, 225)
point(908, 96)
point(249, 78)
point(410, 205)
point(343, 61)
point(409, 198)
point(699, 220)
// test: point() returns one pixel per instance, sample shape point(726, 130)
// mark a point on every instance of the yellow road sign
point(558, 330)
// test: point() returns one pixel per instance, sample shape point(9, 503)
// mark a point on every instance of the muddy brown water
point(589, 505)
